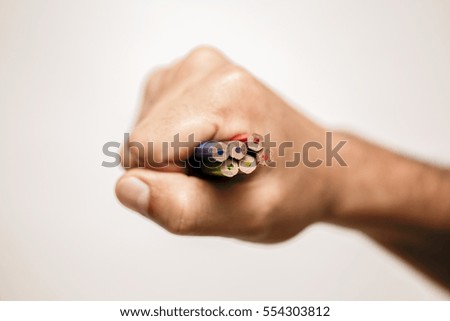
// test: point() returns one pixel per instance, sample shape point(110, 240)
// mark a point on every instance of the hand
point(207, 95)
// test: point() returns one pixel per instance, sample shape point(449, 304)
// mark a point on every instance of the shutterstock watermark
point(179, 153)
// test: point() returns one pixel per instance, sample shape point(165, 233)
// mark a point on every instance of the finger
point(168, 133)
point(169, 136)
point(153, 90)
point(197, 64)
point(181, 204)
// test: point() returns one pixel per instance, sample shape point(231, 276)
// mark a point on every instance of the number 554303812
point(297, 311)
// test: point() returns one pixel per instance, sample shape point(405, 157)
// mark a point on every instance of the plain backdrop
point(71, 75)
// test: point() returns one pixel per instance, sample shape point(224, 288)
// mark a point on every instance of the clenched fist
point(208, 96)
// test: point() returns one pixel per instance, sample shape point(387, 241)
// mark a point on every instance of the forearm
point(402, 204)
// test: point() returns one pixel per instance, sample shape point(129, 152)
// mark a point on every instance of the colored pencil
point(228, 168)
point(236, 149)
point(264, 157)
point(212, 150)
point(247, 164)
point(255, 142)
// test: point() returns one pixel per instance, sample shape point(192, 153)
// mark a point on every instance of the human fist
point(208, 96)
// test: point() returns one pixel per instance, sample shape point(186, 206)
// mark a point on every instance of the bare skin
point(401, 203)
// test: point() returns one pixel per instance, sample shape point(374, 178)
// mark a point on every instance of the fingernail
point(134, 194)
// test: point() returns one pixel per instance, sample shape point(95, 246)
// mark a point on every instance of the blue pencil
point(212, 150)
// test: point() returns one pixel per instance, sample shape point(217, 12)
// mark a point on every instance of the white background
point(71, 74)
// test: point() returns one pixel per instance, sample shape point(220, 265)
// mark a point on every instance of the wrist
point(379, 186)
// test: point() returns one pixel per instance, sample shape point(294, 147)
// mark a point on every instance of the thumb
point(181, 204)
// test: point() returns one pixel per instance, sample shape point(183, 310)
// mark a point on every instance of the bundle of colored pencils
point(228, 158)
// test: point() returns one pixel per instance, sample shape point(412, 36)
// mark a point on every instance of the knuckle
point(133, 151)
point(235, 76)
point(202, 52)
point(180, 225)
point(202, 56)
point(229, 85)
point(154, 80)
